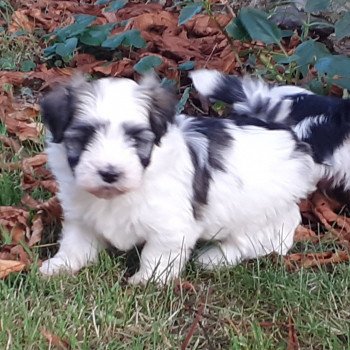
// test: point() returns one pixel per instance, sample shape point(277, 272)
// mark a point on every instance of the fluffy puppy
point(321, 121)
point(132, 172)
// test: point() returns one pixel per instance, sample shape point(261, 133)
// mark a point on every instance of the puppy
point(321, 121)
point(132, 172)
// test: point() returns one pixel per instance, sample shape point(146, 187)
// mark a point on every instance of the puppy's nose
point(109, 174)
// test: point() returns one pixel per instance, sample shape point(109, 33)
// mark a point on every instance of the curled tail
point(248, 96)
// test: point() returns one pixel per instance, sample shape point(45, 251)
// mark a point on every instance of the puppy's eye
point(141, 135)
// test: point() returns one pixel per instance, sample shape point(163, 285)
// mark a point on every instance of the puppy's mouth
point(105, 192)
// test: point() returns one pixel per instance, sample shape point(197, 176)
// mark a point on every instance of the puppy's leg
point(162, 261)
point(79, 246)
point(277, 236)
point(219, 254)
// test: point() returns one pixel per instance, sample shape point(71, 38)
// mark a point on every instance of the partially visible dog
point(130, 172)
point(321, 121)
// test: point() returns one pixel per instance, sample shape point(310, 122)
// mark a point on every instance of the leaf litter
point(200, 40)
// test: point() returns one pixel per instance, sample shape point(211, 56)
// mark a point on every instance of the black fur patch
point(162, 111)
point(325, 136)
point(57, 109)
point(229, 90)
point(143, 139)
point(215, 132)
point(76, 139)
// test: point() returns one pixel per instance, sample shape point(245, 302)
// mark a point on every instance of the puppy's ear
point(58, 106)
point(218, 86)
point(161, 104)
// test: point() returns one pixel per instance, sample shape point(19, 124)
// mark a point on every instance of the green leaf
point(50, 51)
point(308, 53)
point(67, 48)
point(188, 12)
point(188, 65)
point(116, 5)
point(27, 66)
point(129, 38)
point(259, 27)
point(316, 5)
point(334, 65)
point(342, 26)
point(236, 30)
point(184, 98)
point(147, 63)
point(168, 83)
point(96, 35)
point(81, 23)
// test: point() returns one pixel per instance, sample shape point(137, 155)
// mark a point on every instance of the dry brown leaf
point(20, 21)
point(10, 216)
point(10, 142)
point(20, 254)
point(9, 266)
point(293, 343)
point(36, 230)
point(114, 69)
point(55, 340)
point(18, 233)
point(303, 234)
point(301, 260)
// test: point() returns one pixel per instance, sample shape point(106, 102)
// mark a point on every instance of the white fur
point(252, 207)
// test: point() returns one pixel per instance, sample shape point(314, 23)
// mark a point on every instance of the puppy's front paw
point(56, 266)
point(138, 278)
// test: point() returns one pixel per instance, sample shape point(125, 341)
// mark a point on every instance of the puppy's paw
point(139, 278)
point(56, 266)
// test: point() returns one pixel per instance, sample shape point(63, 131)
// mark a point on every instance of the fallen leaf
point(55, 340)
point(18, 233)
point(9, 266)
point(306, 260)
point(303, 234)
point(36, 230)
point(293, 343)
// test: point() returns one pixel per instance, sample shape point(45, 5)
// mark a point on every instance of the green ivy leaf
point(27, 66)
point(102, 2)
point(188, 12)
point(81, 23)
point(50, 51)
point(342, 27)
point(116, 5)
point(129, 38)
point(334, 65)
point(316, 5)
point(259, 27)
point(308, 53)
point(67, 48)
point(235, 29)
point(96, 35)
point(147, 63)
point(184, 98)
point(168, 83)
point(188, 65)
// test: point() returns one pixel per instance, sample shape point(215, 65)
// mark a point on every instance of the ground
point(301, 301)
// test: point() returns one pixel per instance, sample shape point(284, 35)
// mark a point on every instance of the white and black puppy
point(131, 172)
point(321, 121)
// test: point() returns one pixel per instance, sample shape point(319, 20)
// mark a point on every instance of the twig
point(193, 327)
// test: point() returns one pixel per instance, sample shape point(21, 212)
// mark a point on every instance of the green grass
point(246, 307)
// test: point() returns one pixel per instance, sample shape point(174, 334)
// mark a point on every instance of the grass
point(246, 307)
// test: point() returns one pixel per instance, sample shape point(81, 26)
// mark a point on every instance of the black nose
point(109, 175)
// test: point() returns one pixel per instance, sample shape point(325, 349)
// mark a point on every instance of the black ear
point(57, 109)
point(162, 105)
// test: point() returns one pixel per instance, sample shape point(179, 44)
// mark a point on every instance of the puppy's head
point(109, 128)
